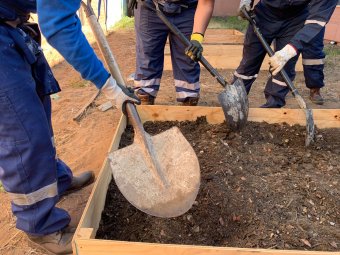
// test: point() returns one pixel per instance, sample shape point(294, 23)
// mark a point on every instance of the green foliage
point(125, 23)
point(332, 50)
point(231, 22)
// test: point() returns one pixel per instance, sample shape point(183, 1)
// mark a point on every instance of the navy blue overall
point(287, 22)
point(151, 37)
point(30, 171)
point(313, 60)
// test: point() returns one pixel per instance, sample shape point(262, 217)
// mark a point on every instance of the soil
point(259, 189)
point(84, 145)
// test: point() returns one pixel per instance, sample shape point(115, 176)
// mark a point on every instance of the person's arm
point(62, 28)
point(203, 15)
point(320, 12)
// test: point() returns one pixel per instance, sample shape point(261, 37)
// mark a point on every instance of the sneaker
point(56, 243)
point(190, 101)
point(80, 181)
point(316, 97)
point(146, 99)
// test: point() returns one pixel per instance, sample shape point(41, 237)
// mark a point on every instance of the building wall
point(333, 27)
point(227, 7)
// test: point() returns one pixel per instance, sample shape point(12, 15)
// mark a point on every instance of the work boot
point(190, 101)
point(146, 99)
point(80, 181)
point(316, 97)
point(57, 243)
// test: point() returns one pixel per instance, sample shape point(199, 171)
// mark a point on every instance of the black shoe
point(80, 181)
point(316, 97)
point(56, 243)
point(190, 101)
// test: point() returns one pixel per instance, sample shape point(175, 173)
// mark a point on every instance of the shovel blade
point(235, 105)
point(179, 165)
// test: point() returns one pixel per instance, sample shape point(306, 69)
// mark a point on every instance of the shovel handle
point(141, 136)
point(204, 62)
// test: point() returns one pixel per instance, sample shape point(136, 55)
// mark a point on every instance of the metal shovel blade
point(180, 169)
point(235, 105)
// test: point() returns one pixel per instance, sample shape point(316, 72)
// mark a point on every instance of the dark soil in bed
point(260, 188)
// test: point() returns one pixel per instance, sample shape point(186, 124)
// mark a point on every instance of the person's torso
point(285, 4)
point(180, 1)
point(12, 9)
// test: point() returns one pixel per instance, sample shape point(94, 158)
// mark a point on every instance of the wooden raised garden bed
point(85, 243)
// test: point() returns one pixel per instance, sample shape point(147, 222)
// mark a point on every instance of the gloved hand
point(278, 61)
point(119, 94)
point(247, 4)
point(194, 51)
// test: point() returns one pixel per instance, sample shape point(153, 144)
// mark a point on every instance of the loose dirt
point(260, 188)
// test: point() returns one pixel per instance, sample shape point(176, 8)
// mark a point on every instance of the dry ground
point(84, 145)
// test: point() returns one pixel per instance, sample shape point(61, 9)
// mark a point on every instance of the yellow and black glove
point(194, 51)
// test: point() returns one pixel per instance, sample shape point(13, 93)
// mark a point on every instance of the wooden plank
point(84, 109)
point(84, 242)
point(95, 205)
point(101, 247)
point(324, 118)
point(224, 57)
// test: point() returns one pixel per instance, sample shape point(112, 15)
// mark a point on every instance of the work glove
point(280, 58)
point(119, 94)
point(247, 5)
point(195, 49)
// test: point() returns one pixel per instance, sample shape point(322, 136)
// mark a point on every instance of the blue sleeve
point(62, 28)
point(320, 12)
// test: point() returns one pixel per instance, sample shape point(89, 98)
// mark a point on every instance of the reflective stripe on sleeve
point(186, 85)
point(313, 21)
point(280, 83)
point(313, 62)
point(244, 77)
point(48, 191)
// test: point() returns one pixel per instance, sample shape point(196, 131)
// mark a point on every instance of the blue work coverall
point(30, 170)
point(294, 22)
point(151, 37)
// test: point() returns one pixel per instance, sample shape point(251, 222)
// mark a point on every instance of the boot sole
point(39, 247)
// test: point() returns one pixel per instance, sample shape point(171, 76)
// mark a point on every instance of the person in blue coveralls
point(30, 171)
point(151, 38)
point(293, 24)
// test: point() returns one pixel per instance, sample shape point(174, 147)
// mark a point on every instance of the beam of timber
point(324, 118)
point(224, 57)
point(90, 219)
point(101, 247)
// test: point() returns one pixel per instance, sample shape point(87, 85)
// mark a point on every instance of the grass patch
point(80, 84)
point(332, 50)
point(1, 187)
point(125, 23)
point(231, 22)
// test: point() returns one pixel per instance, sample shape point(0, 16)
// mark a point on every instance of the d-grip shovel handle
point(140, 136)
point(269, 50)
point(186, 42)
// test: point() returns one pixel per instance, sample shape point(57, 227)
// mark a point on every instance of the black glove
point(194, 51)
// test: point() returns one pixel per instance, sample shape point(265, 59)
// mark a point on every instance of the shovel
point(233, 98)
point(309, 114)
point(159, 175)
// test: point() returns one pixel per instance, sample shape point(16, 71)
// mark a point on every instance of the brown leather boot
point(80, 181)
point(146, 99)
point(56, 243)
point(190, 101)
point(316, 97)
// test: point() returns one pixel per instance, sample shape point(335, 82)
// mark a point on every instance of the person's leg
point(253, 51)
point(186, 71)
point(276, 89)
point(151, 36)
point(313, 60)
